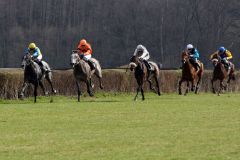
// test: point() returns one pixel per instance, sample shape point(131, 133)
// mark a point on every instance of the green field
point(114, 127)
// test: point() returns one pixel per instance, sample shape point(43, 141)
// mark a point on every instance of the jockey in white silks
point(142, 53)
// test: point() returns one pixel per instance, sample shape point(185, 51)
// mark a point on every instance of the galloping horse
point(83, 72)
point(220, 73)
point(141, 75)
point(33, 75)
point(189, 74)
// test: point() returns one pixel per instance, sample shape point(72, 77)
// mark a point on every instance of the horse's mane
point(214, 56)
point(184, 54)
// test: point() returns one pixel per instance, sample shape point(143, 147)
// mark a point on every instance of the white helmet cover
point(140, 47)
point(189, 46)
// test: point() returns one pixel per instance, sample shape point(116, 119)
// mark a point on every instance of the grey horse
point(82, 72)
point(34, 75)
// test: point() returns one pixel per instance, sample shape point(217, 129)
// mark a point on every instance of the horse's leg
point(150, 85)
point(43, 89)
point(91, 83)
point(49, 79)
point(193, 85)
point(143, 98)
point(187, 89)
point(35, 92)
point(229, 79)
point(78, 90)
point(180, 87)
point(158, 86)
point(198, 83)
point(25, 84)
point(213, 89)
point(221, 87)
point(89, 88)
point(138, 89)
point(100, 80)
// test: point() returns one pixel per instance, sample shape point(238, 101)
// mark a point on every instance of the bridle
point(75, 59)
point(27, 60)
point(185, 57)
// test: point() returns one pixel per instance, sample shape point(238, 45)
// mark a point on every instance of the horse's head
point(134, 61)
point(23, 64)
point(185, 57)
point(215, 62)
point(215, 58)
point(26, 60)
point(74, 58)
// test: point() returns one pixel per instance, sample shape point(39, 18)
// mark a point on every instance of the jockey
point(142, 53)
point(194, 56)
point(85, 50)
point(36, 54)
point(225, 55)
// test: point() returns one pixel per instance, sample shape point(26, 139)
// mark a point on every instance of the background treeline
point(115, 27)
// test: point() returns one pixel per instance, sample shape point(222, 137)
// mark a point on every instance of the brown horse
point(142, 75)
point(189, 74)
point(220, 73)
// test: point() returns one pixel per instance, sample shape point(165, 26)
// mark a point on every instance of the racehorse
point(220, 73)
point(34, 75)
point(82, 72)
point(189, 74)
point(142, 75)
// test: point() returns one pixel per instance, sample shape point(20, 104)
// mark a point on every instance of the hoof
point(21, 96)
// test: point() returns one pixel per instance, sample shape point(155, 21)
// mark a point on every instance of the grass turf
point(114, 127)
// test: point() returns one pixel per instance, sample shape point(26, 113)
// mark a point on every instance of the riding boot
point(44, 70)
point(197, 67)
point(228, 68)
point(149, 69)
point(92, 66)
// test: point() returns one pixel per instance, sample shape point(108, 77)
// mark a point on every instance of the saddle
point(229, 67)
point(148, 65)
point(196, 65)
point(43, 67)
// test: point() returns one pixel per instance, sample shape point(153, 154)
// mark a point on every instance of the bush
point(115, 80)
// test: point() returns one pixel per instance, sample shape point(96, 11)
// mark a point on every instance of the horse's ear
point(131, 59)
point(74, 51)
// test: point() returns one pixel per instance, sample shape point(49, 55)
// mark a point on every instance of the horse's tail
point(233, 77)
point(159, 66)
point(232, 72)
